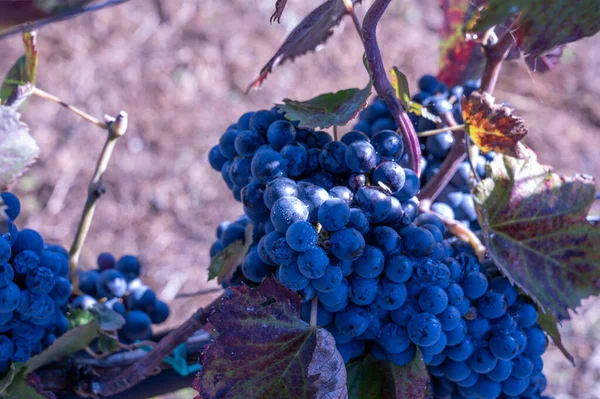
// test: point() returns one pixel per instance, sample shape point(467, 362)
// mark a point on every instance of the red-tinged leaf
point(311, 32)
point(536, 231)
point(264, 350)
point(18, 149)
point(329, 109)
point(492, 126)
point(549, 324)
point(542, 25)
point(223, 265)
point(15, 86)
point(279, 7)
point(460, 59)
point(411, 380)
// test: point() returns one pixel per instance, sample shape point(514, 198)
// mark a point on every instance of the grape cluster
point(117, 283)
point(34, 289)
point(455, 201)
point(337, 222)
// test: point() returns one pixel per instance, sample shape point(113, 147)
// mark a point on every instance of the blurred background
point(180, 68)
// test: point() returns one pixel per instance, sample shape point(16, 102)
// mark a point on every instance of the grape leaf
point(72, 341)
point(18, 149)
point(108, 344)
point(492, 126)
point(108, 319)
point(411, 380)
point(13, 371)
point(366, 378)
point(78, 317)
point(400, 84)
point(226, 261)
point(542, 25)
point(537, 233)
point(549, 324)
point(460, 59)
point(312, 32)
point(25, 385)
point(22, 73)
point(263, 349)
point(279, 7)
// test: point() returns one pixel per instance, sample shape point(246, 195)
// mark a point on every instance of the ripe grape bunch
point(117, 284)
point(455, 201)
point(337, 222)
point(34, 290)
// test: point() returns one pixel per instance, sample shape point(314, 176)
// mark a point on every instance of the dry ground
point(181, 73)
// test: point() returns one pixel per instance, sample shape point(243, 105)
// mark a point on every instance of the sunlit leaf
point(492, 126)
point(263, 349)
point(461, 59)
point(542, 25)
point(312, 32)
point(21, 74)
point(537, 231)
point(223, 265)
point(18, 149)
point(400, 84)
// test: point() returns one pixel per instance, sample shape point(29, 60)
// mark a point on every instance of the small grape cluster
point(337, 222)
point(34, 290)
point(117, 284)
point(455, 201)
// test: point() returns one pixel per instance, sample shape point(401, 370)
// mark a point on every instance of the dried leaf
point(537, 232)
point(72, 341)
point(460, 59)
point(223, 265)
point(279, 7)
point(21, 74)
point(549, 324)
point(492, 126)
point(18, 149)
point(312, 32)
point(542, 25)
point(263, 349)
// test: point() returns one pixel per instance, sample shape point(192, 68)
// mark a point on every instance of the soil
point(180, 70)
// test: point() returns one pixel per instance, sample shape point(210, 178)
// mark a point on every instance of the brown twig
point(383, 86)
point(352, 12)
point(449, 166)
point(495, 55)
point(433, 132)
point(47, 96)
point(140, 370)
point(116, 128)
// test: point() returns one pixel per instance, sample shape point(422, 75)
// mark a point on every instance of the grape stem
point(433, 132)
point(495, 55)
point(313, 311)
point(350, 9)
point(383, 86)
point(116, 128)
point(144, 367)
point(47, 96)
point(448, 168)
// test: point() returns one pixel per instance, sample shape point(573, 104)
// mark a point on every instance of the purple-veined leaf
point(263, 349)
point(537, 233)
point(311, 32)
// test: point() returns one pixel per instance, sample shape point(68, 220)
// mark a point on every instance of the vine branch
point(495, 56)
point(383, 86)
point(47, 96)
point(352, 12)
point(116, 128)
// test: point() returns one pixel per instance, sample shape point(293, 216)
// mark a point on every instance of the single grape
point(260, 121)
point(354, 135)
point(286, 211)
point(418, 241)
point(290, 276)
point(352, 321)
point(399, 268)
point(360, 156)
point(456, 335)
point(334, 214)
point(536, 343)
point(450, 318)
point(433, 300)
point(137, 325)
point(359, 220)
point(474, 285)
point(424, 329)
point(392, 295)
point(281, 133)
point(456, 371)
point(10, 297)
point(5, 251)
point(12, 203)
point(347, 244)
point(410, 188)
point(313, 263)
point(514, 386)
point(332, 157)
point(462, 351)
point(111, 283)
point(482, 361)
point(296, 157)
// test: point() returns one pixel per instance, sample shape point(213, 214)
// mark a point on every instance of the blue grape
point(7, 274)
point(410, 188)
point(424, 329)
point(330, 280)
point(5, 251)
point(392, 295)
point(474, 285)
point(354, 135)
point(335, 298)
point(502, 285)
point(88, 281)
point(526, 314)
point(10, 297)
point(536, 343)
point(456, 335)
point(281, 133)
point(399, 268)
point(374, 202)
point(137, 325)
point(433, 300)
point(360, 156)
point(501, 372)
point(278, 188)
point(83, 302)
point(111, 283)
point(450, 318)
point(418, 241)
point(403, 315)
point(227, 144)
point(394, 339)
point(429, 84)
point(61, 290)
point(7, 347)
point(479, 327)
point(456, 371)
point(347, 244)
point(371, 263)
point(26, 261)
point(492, 305)
point(402, 358)
point(357, 181)
point(301, 236)
point(334, 214)
point(389, 145)
point(340, 338)
point(282, 253)
point(290, 276)
point(323, 317)
point(332, 157)
point(455, 294)
point(514, 386)
point(435, 349)
point(462, 351)
point(482, 361)
point(313, 197)
point(268, 165)
point(352, 321)
point(22, 351)
point(389, 174)
point(522, 367)
point(247, 142)
point(342, 193)
point(286, 211)
point(296, 157)
point(359, 220)
point(313, 263)
point(13, 205)
point(216, 159)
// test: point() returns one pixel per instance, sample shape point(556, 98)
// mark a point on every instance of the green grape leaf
point(492, 126)
point(28, 385)
point(21, 74)
point(549, 324)
point(400, 84)
point(263, 349)
point(78, 317)
point(72, 341)
point(7, 380)
point(542, 25)
point(370, 378)
point(535, 228)
point(225, 262)
point(312, 32)
point(18, 149)
point(279, 7)
point(460, 59)
point(108, 344)
point(411, 380)
point(108, 319)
